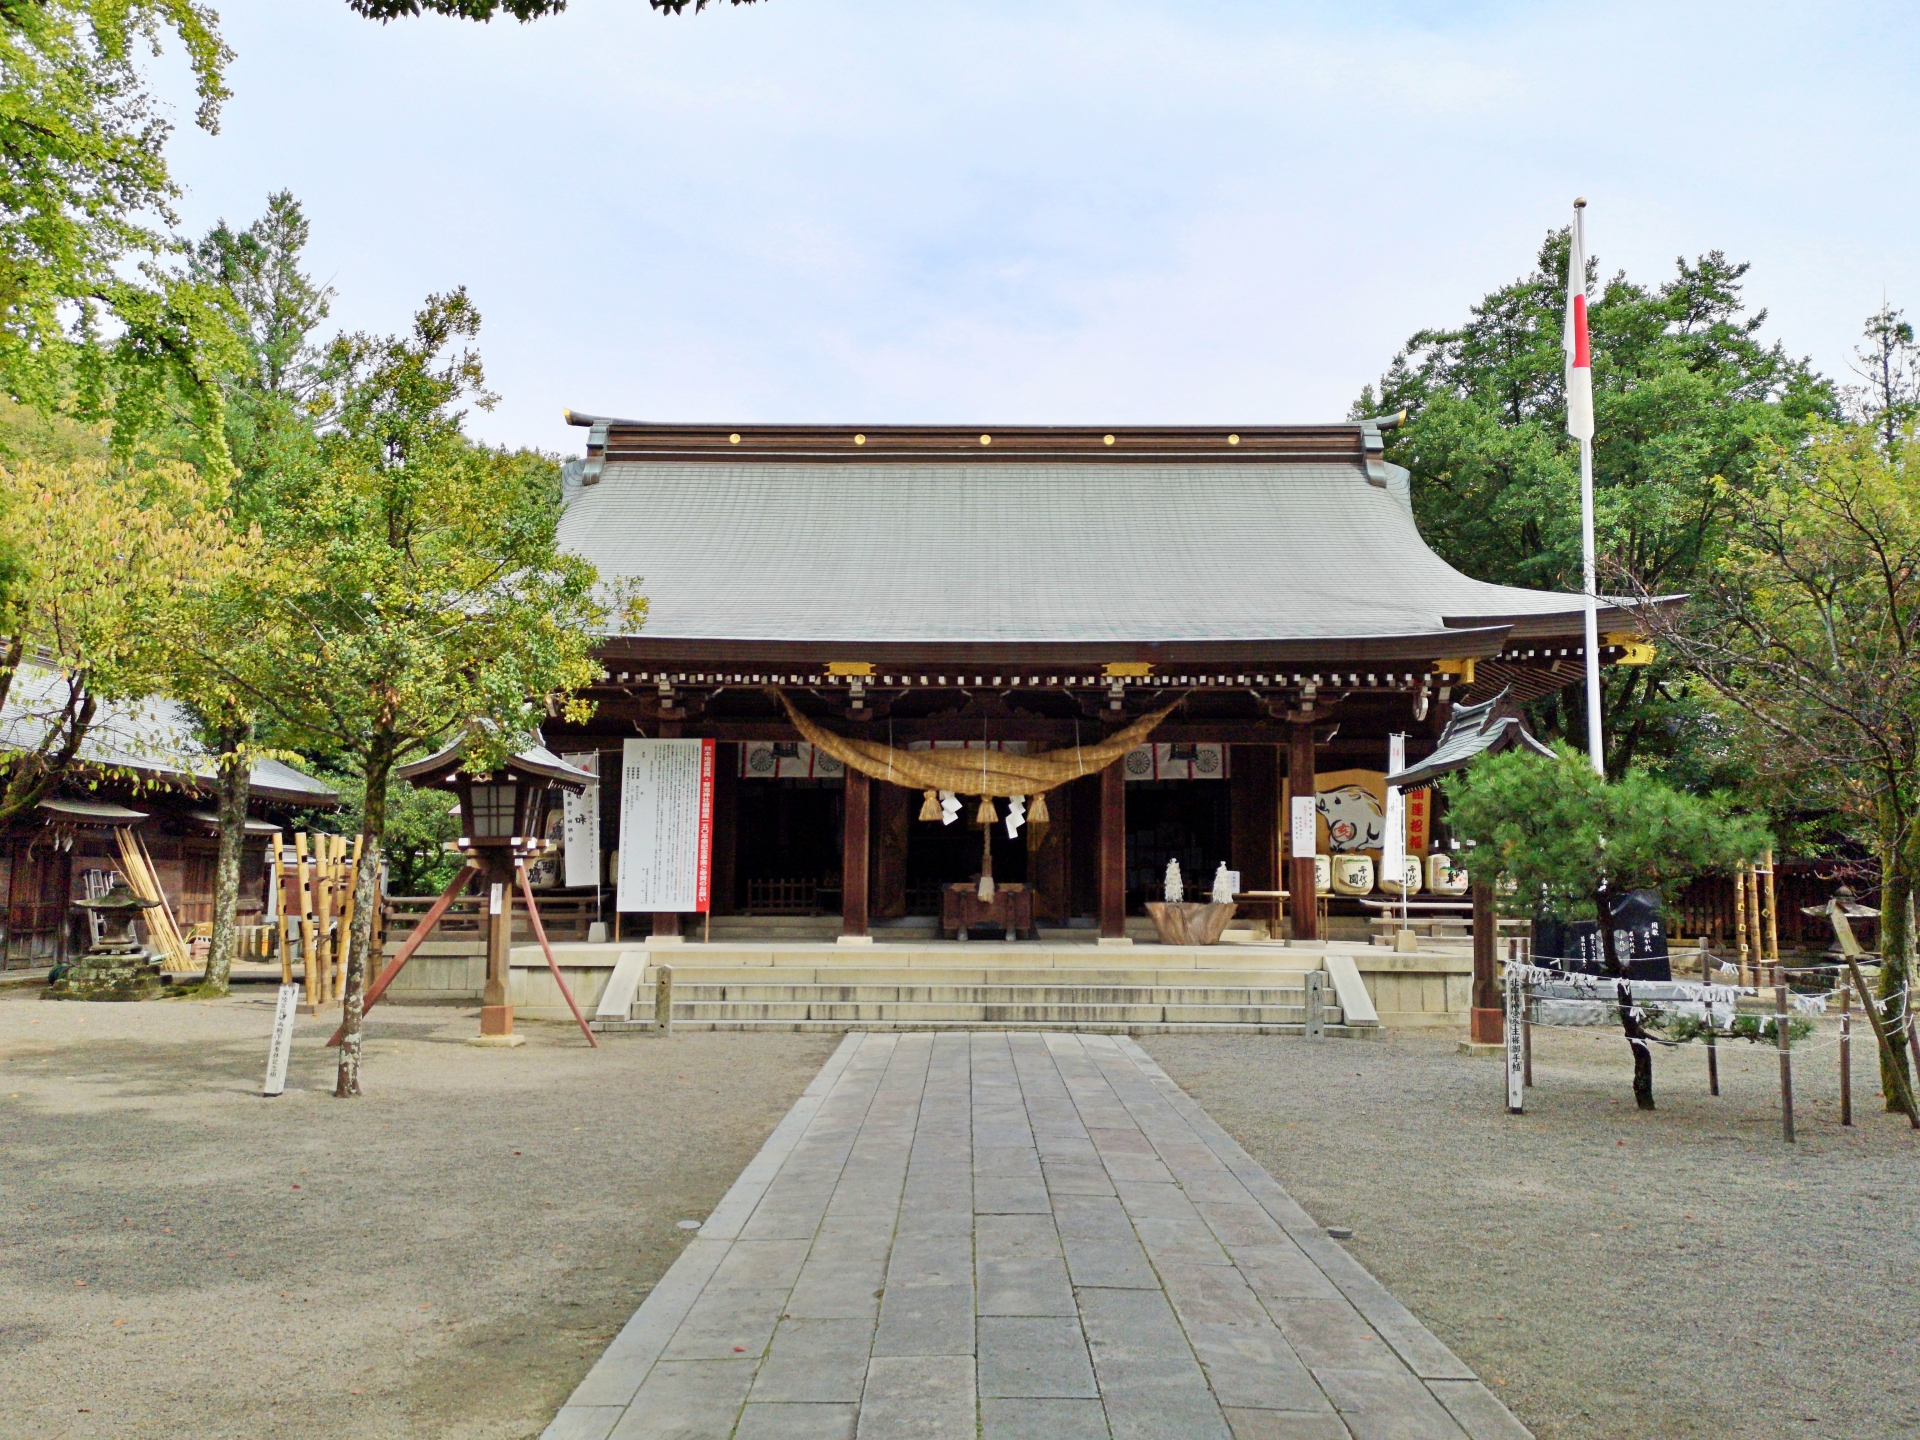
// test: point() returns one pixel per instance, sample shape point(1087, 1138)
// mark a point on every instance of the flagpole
point(1580, 425)
point(1596, 752)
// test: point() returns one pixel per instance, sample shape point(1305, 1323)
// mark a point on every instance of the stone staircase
point(921, 999)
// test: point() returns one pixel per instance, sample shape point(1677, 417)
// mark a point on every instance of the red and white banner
point(666, 826)
point(1573, 334)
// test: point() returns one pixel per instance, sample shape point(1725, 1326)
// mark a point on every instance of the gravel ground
point(1611, 1273)
point(444, 1257)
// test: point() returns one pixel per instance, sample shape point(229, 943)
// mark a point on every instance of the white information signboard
point(1306, 822)
point(580, 824)
point(666, 825)
point(282, 1044)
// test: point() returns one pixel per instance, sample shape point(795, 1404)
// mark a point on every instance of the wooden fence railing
point(566, 917)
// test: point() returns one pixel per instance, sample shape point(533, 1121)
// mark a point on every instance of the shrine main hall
point(1254, 610)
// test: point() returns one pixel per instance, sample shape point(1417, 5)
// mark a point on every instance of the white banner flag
point(580, 823)
point(1393, 848)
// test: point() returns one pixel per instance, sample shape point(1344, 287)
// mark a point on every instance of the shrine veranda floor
point(1608, 1274)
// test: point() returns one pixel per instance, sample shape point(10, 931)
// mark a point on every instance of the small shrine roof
point(534, 760)
point(1471, 731)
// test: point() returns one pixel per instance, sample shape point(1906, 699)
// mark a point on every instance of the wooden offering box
point(962, 909)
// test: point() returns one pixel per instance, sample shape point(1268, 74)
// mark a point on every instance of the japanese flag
point(1573, 333)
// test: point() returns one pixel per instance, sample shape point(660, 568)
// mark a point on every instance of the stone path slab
point(1017, 1236)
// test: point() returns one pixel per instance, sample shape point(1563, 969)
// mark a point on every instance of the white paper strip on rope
point(1177, 761)
point(580, 823)
point(666, 825)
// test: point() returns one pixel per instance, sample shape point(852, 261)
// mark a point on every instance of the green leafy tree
point(274, 390)
point(1563, 836)
point(426, 594)
point(1888, 364)
point(1807, 635)
point(89, 321)
point(1688, 400)
point(97, 566)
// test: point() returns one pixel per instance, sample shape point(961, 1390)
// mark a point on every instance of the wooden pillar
point(496, 1015)
point(1113, 853)
point(1488, 1021)
point(893, 808)
point(1253, 794)
point(1303, 905)
point(853, 857)
point(1050, 859)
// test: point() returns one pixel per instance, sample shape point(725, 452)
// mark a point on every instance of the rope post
point(1846, 1055)
point(1516, 997)
point(663, 1000)
point(1786, 1053)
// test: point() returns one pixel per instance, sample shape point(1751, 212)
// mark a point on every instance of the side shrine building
point(1030, 591)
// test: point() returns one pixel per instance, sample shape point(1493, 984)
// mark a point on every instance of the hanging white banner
point(580, 823)
point(666, 825)
point(1393, 848)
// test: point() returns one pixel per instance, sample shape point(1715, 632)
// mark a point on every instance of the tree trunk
point(1629, 1026)
point(366, 905)
point(1896, 965)
point(234, 780)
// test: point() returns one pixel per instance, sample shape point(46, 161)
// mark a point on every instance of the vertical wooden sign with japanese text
point(666, 826)
point(580, 824)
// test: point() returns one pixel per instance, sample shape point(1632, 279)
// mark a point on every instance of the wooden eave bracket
point(1634, 649)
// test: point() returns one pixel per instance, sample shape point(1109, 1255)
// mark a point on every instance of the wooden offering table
point(962, 909)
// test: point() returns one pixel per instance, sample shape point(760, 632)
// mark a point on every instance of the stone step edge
point(1222, 1027)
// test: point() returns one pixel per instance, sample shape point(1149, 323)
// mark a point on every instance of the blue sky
point(1120, 212)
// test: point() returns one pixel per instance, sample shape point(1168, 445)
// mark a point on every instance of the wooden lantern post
point(503, 826)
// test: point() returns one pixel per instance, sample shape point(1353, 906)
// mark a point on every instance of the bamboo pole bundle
point(275, 879)
point(309, 946)
point(1740, 920)
point(1773, 915)
point(349, 882)
point(162, 929)
point(323, 916)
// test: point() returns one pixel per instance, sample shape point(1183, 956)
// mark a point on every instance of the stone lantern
point(117, 967)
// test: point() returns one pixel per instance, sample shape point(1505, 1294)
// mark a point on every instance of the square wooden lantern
point(503, 810)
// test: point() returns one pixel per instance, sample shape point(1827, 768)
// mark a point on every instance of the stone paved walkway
point(1016, 1236)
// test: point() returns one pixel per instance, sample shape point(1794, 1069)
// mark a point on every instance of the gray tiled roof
point(1472, 731)
point(155, 736)
point(942, 551)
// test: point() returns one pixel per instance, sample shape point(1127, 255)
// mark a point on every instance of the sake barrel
point(1353, 874)
point(1409, 884)
point(1443, 876)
